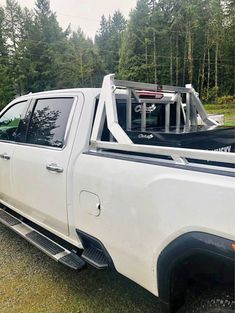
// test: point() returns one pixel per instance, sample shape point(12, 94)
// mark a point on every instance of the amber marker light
point(233, 246)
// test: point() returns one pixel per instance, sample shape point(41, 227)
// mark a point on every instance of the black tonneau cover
point(195, 137)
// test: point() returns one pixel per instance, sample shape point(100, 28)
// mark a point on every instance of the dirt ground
point(30, 282)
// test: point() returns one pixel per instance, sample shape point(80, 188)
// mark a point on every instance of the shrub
point(226, 100)
point(210, 95)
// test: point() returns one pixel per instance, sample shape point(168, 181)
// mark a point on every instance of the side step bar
point(94, 252)
point(95, 257)
point(46, 245)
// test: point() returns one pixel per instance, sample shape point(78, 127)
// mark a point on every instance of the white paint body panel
point(40, 193)
point(144, 207)
point(5, 171)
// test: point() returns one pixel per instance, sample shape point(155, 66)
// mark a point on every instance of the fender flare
point(183, 247)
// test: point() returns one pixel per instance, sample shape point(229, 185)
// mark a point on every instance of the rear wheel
point(219, 302)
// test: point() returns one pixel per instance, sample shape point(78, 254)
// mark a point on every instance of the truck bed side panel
point(145, 206)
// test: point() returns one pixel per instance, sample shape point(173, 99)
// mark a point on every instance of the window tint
point(49, 120)
point(10, 121)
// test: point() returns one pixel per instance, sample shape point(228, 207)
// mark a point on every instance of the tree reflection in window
point(49, 121)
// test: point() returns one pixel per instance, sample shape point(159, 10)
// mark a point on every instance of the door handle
point(5, 156)
point(54, 168)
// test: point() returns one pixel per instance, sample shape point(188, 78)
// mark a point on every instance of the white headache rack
point(107, 110)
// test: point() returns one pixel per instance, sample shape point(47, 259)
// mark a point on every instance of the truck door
point(40, 165)
point(11, 130)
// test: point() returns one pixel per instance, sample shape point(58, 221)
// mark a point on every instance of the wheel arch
point(190, 255)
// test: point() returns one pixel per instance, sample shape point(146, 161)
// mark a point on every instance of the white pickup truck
point(123, 177)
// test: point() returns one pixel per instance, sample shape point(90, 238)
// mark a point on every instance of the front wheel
point(219, 302)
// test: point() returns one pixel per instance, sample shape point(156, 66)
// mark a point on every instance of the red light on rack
point(150, 94)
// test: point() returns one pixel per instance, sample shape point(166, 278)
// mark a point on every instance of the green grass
point(33, 283)
point(227, 109)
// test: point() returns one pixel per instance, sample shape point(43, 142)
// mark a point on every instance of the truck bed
point(196, 137)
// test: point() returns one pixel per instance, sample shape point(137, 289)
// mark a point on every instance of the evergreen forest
point(163, 41)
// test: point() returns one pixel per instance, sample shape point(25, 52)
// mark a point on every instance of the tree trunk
point(13, 31)
point(216, 69)
point(81, 68)
point(199, 75)
point(177, 61)
point(155, 57)
point(171, 64)
point(184, 64)
point(190, 57)
point(203, 71)
point(208, 73)
point(146, 59)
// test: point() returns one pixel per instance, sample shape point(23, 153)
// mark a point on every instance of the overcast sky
point(83, 13)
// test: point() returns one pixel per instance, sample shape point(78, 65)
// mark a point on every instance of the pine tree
point(6, 90)
point(12, 24)
point(3, 49)
point(46, 40)
point(12, 28)
point(134, 48)
point(108, 40)
point(85, 64)
point(117, 27)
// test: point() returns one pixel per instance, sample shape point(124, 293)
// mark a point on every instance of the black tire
point(220, 302)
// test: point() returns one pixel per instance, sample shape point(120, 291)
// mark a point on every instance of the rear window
point(49, 121)
point(155, 118)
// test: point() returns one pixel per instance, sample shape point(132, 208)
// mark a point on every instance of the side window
point(48, 122)
point(10, 121)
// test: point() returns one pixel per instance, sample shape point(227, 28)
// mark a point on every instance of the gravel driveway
point(30, 282)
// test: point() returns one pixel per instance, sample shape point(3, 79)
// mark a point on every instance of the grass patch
point(227, 109)
point(33, 283)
